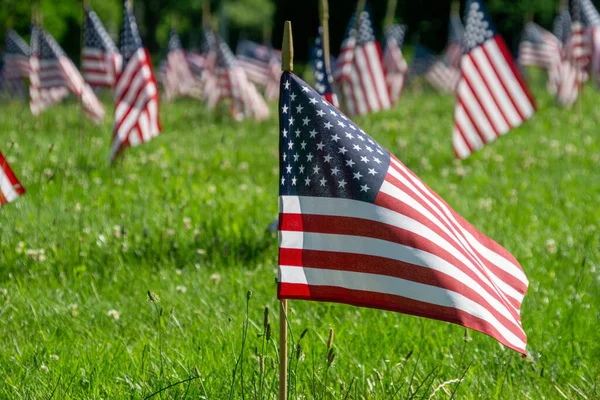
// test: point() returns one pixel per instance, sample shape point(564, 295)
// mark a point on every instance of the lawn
point(185, 218)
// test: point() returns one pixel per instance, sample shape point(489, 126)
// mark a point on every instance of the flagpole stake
point(324, 14)
point(455, 7)
point(390, 13)
point(287, 48)
point(283, 350)
point(206, 14)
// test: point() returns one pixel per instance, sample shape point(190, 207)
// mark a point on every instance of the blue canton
point(16, 45)
point(95, 36)
point(323, 79)
point(130, 35)
point(174, 41)
point(478, 26)
point(322, 152)
point(397, 33)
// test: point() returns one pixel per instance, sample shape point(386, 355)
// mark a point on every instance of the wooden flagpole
point(324, 16)
point(390, 13)
point(287, 64)
point(455, 8)
point(206, 14)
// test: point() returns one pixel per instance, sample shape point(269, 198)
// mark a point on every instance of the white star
point(316, 169)
point(364, 159)
point(362, 139)
point(377, 160)
point(284, 109)
point(299, 108)
point(369, 148)
point(364, 188)
point(379, 151)
point(342, 150)
point(313, 133)
point(357, 175)
point(356, 147)
point(312, 100)
point(320, 113)
point(309, 157)
point(293, 96)
point(291, 121)
point(288, 169)
point(296, 156)
point(334, 171)
point(284, 133)
point(305, 121)
point(287, 85)
point(342, 184)
point(323, 181)
point(305, 89)
point(282, 180)
point(333, 113)
point(349, 135)
point(328, 158)
point(335, 137)
point(320, 145)
point(294, 181)
point(297, 132)
point(350, 163)
point(284, 156)
point(372, 171)
point(307, 181)
point(371, 141)
point(303, 144)
point(340, 123)
point(328, 125)
point(301, 169)
point(352, 127)
point(290, 145)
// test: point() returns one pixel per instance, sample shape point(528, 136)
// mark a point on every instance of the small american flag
point(52, 75)
point(436, 71)
point(540, 48)
point(454, 48)
point(231, 83)
point(575, 58)
point(395, 65)
point(359, 71)
point(136, 91)
point(101, 59)
point(591, 18)
point(178, 77)
point(323, 78)
point(262, 65)
point(358, 227)
point(492, 96)
point(10, 188)
point(15, 58)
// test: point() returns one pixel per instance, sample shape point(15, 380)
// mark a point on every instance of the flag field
point(185, 217)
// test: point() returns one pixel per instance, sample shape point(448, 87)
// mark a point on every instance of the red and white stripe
point(423, 258)
point(136, 106)
point(492, 97)
point(179, 79)
point(10, 188)
point(396, 69)
point(594, 42)
point(573, 68)
point(15, 66)
point(443, 77)
point(42, 97)
point(100, 68)
point(362, 80)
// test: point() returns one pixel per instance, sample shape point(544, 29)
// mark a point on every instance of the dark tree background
point(261, 19)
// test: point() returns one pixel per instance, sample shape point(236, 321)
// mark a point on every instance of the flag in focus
point(492, 96)
point(178, 77)
point(396, 67)
point(136, 91)
point(358, 227)
point(101, 60)
point(10, 188)
point(323, 78)
point(359, 71)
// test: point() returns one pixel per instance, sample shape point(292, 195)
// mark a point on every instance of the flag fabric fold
point(492, 96)
point(136, 92)
point(591, 18)
point(10, 187)
point(323, 77)
point(101, 61)
point(540, 48)
point(440, 75)
point(358, 227)
point(262, 65)
point(396, 67)
point(178, 78)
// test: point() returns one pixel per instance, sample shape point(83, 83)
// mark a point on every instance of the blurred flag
point(262, 65)
point(436, 71)
point(10, 188)
point(15, 58)
point(395, 65)
point(101, 59)
point(136, 91)
point(591, 18)
point(178, 78)
point(208, 50)
point(540, 48)
point(358, 227)
point(359, 71)
point(323, 78)
point(231, 83)
point(454, 48)
point(52, 75)
point(492, 96)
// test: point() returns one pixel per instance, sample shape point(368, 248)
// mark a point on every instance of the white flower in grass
point(44, 368)
point(215, 278)
point(181, 289)
point(486, 204)
point(54, 357)
point(551, 246)
point(114, 314)
point(170, 232)
point(187, 223)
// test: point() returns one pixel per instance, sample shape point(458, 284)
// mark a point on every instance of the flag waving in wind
point(591, 18)
point(436, 71)
point(323, 78)
point(101, 58)
point(10, 188)
point(178, 77)
point(395, 65)
point(358, 227)
point(492, 96)
point(540, 48)
point(136, 92)
point(14, 65)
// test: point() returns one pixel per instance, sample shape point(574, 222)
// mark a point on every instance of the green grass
point(185, 216)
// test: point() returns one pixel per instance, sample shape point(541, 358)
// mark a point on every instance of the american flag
point(575, 59)
point(10, 188)
point(454, 48)
point(208, 50)
point(262, 65)
point(395, 65)
point(52, 75)
point(492, 96)
point(323, 78)
point(178, 78)
point(540, 48)
point(101, 59)
point(136, 91)
point(359, 71)
point(591, 19)
point(436, 71)
point(231, 83)
point(358, 227)
point(15, 58)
